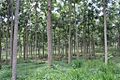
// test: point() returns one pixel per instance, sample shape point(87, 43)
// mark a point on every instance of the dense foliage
point(87, 70)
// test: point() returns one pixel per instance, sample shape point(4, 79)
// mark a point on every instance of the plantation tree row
point(58, 29)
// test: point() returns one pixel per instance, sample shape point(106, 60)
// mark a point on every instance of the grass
point(77, 70)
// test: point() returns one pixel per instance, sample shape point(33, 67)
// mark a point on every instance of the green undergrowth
point(77, 70)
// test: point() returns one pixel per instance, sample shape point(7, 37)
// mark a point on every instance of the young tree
point(0, 43)
point(49, 34)
point(69, 38)
point(76, 32)
point(105, 31)
point(11, 33)
point(14, 62)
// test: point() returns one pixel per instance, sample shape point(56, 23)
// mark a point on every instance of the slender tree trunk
point(84, 44)
point(93, 46)
point(49, 34)
point(19, 47)
point(69, 46)
point(58, 44)
point(31, 45)
point(11, 33)
point(43, 43)
point(76, 35)
point(63, 49)
point(118, 44)
point(69, 37)
point(36, 27)
point(0, 50)
point(14, 62)
point(34, 46)
point(26, 43)
point(66, 49)
point(0, 43)
point(8, 25)
point(24, 57)
point(39, 46)
point(74, 45)
point(81, 47)
point(7, 47)
point(105, 32)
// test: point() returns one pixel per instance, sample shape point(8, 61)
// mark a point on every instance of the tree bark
point(8, 26)
point(26, 43)
point(69, 37)
point(49, 34)
point(43, 43)
point(118, 45)
point(69, 46)
point(0, 43)
point(0, 50)
point(105, 33)
point(76, 35)
point(11, 33)
point(14, 62)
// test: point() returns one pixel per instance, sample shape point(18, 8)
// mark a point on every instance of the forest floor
point(77, 70)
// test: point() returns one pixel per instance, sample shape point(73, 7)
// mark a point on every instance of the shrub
point(77, 63)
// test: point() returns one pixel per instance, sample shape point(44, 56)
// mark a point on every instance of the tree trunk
point(14, 62)
point(11, 33)
point(0, 43)
point(93, 46)
point(43, 43)
point(59, 44)
point(8, 26)
point(25, 43)
point(0, 50)
point(31, 45)
point(66, 50)
point(69, 46)
point(105, 33)
point(118, 44)
point(49, 34)
point(26, 46)
point(36, 27)
point(76, 35)
point(69, 37)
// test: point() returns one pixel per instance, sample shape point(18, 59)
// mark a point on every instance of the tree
point(11, 33)
point(105, 31)
point(14, 62)
point(69, 38)
point(76, 32)
point(0, 42)
point(49, 34)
